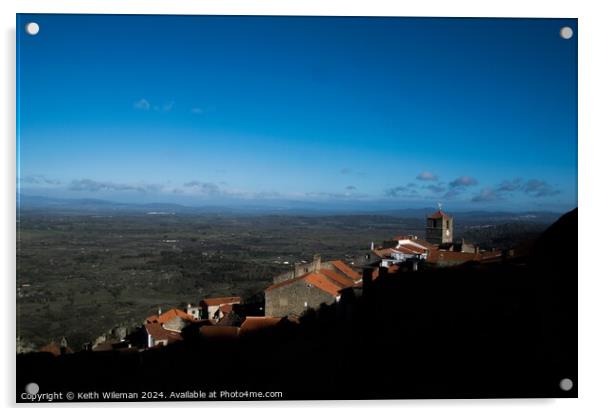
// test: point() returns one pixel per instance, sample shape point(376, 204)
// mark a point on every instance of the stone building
point(439, 228)
point(303, 289)
point(300, 269)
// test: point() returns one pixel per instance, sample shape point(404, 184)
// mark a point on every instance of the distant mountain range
point(88, 206)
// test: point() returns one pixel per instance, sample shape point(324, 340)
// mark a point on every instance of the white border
point(590, 136)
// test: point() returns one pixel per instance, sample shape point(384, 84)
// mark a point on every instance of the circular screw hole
point(32, 28)
point(566, 384)
point(32, 388)
point(566, 32)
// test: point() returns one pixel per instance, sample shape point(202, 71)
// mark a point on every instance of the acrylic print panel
point(279, 208)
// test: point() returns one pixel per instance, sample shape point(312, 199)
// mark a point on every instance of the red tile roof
point(426, 244)
point(452, 256)
point(169, 315)
point(152, 318)
point(345, 269)
point(220, 301)
point(403, 248)
point(316, 279)
point(439, 214)
point(342, 281)
point(416, 247)
point(257, 323)
point(323, 283)
point(156, 330)
point(407, 249)
point(327, 280)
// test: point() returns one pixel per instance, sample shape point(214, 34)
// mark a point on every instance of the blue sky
point(357, 112)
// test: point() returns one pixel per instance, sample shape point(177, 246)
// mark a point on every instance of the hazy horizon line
point(276, 204)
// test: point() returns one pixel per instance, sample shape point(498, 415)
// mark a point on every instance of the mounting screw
point(32, 28)
point(566, 384)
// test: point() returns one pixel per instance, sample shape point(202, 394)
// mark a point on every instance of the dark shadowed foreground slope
point(492, 330)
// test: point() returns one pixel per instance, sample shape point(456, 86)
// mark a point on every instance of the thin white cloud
point(535, 188)
point(90, 185)
point(486, 195)
point(427, 176)
point(142, 104)
point(145, 105)
point(203, 188)
point(401, 191)
point(538, 188)
point(436, 189)
point(463, 181)
point(39, 180)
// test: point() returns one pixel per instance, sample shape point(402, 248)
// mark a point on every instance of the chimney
point(317, 262)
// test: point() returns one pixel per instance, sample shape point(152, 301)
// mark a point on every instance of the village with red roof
point(308, 285)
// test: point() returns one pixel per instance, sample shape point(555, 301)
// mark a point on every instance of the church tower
point(439, 228)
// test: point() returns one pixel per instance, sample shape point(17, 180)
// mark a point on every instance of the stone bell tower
point(439, 228)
